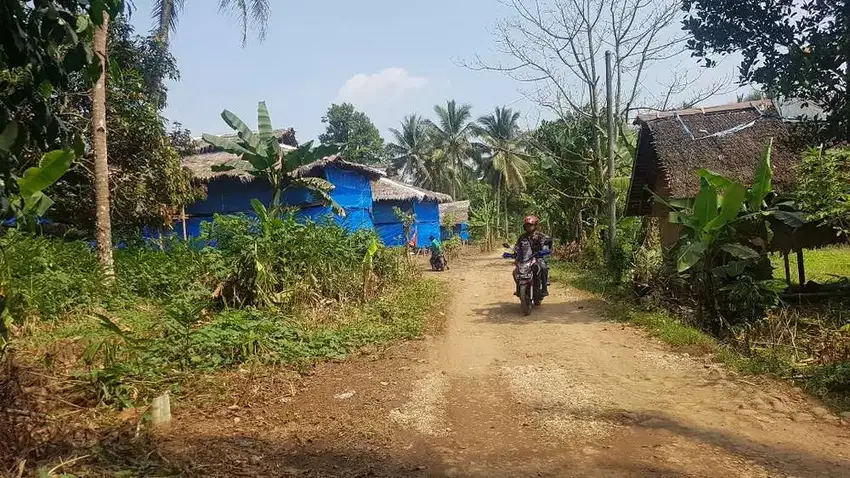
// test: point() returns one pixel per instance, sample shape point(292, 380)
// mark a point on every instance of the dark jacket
point(536, 241)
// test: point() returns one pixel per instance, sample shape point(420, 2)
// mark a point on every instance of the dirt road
point(559, 393)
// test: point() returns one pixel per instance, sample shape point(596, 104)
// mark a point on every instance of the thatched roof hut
point(201, 166)
point(385, 189)
point(458, 209)
point(728, 140)
point(316, 167)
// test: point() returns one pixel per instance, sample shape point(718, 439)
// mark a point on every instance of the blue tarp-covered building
point(454, 220)
point(352, 191)
point(230, 192)
point(389, 194)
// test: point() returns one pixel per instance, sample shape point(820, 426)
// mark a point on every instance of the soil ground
point(561, 392)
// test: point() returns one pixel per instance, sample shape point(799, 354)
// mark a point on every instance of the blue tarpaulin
point(463, 231)
point(389, 227)
point(351, 189)
point(427, 222)
point(383, 212)
point(391, 234)
point(230, 195)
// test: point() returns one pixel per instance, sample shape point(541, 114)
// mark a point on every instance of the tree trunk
point(506, 218)
point(103, 227)
point(498, 204)
point(165, 21)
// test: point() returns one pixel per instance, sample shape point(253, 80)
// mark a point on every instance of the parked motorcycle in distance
point(527, 274)
point(439, 263)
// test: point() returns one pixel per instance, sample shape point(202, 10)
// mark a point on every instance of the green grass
point(822, 265)
point(155, 350)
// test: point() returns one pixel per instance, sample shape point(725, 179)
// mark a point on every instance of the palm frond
point(256, 14)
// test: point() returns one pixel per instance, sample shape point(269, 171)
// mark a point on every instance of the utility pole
point(612, 144)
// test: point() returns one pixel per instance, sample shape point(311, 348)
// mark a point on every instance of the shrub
point(49, 278)
point(157, 273)
point(280, 262)
point(452, 246)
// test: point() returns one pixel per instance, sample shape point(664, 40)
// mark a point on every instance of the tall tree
point(452, 147)
point(794, 48)
point(251, 14)
point(352, 128)
point(558, 46)
point(409, 153)
point(103, 229)
point(504, 163)
point(559, 179)
point(147, 183)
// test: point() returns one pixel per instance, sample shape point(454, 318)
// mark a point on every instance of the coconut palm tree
point(503, 163)
point(453, 150)
point(409, 153)
point(251, 13)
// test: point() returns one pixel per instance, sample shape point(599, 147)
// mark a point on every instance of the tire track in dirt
point(563, 392)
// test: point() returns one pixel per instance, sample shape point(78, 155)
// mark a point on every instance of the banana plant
point(29, 201)
point(262, 156)
point(25, 205)
point(720, 203)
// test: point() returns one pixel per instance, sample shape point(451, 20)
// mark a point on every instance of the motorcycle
point(439, 263)
point(527, 274)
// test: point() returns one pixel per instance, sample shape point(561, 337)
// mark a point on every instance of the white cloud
point(384, 87)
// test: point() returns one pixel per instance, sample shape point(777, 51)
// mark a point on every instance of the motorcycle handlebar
point(512, 255)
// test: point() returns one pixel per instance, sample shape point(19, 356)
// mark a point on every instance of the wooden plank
point(801, 268)
point(787, 269)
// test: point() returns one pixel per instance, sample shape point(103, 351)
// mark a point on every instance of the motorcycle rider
point(537, 241)
point(436, 250)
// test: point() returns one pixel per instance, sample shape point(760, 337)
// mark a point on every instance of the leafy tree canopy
point(795, 48)
point(352, 128)
point(147, 182)
point(44, 44)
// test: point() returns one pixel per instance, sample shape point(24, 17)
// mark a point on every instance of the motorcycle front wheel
point(525, 298)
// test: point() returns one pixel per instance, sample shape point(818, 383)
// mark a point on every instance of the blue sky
point(389, 58)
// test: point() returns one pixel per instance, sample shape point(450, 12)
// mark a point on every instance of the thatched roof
point(200, 165)
point(728, 140)
point(286, 137)
point(458, 209)
point(316, 167)
point(385, 189)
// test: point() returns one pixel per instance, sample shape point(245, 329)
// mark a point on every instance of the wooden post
point(801, 268)
point(612, 145)
point(787, 268)
point(183, 220)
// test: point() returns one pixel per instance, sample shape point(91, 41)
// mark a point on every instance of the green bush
point(157, 273)
point(49, 278)
point(280, 262)
point(174, 308)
